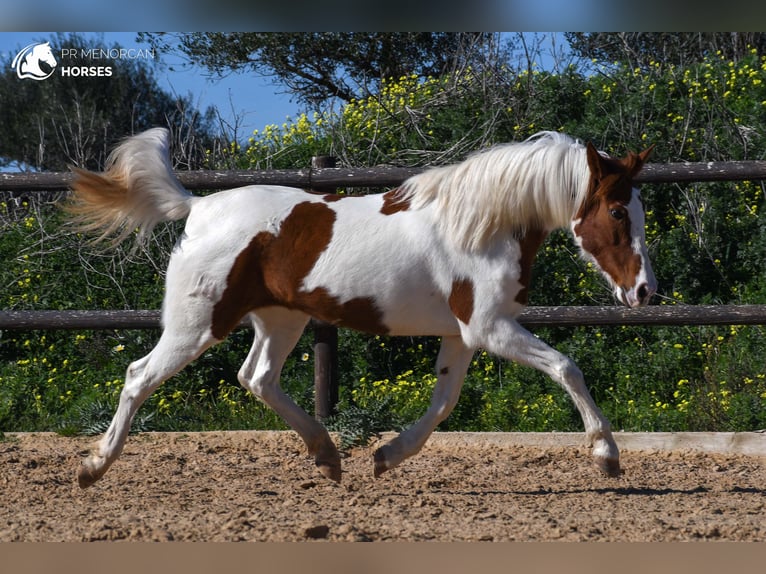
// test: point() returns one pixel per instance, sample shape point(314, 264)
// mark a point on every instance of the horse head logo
point(27, 62)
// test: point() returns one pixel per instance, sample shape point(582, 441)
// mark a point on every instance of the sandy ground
point(261, 486)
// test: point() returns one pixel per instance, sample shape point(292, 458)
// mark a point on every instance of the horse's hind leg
point(277, 331)
point(175, 349)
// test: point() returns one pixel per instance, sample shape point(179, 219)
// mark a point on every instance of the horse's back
point(243, 207)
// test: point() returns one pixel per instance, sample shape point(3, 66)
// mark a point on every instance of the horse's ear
point(644, 155)
point(596, 162)
point(598, 169)
point(639, 159)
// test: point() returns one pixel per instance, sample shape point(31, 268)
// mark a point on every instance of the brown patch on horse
point(333, 197)
point(393, 202)
point(271, 270)
point(461, 299)
point(359, 313)
point(529, 245)
point(244, 287)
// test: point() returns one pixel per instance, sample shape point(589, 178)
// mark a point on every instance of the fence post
point(325, 344)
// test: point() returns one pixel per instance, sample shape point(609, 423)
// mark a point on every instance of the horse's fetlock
point(592, 437)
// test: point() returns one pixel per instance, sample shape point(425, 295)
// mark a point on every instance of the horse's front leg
point(510, 340)
point(451, 366)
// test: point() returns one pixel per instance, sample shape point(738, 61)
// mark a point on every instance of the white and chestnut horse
point(449, 254)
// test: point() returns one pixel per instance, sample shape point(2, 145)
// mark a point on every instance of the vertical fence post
point(325, 344)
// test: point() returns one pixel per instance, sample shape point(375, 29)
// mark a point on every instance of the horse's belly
point(397, 298)
point(426, 321)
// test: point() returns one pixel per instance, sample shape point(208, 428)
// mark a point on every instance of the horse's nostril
point(643, 292)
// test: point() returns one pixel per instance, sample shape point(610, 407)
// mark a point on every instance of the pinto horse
point(449, 254)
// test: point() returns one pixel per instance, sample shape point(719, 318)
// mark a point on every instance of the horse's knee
point(568, 372)
point(136, 391)
point(445, 396)
point(142, 377)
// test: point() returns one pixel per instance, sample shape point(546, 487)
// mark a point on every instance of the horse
point(27, 61)
point(448, 253)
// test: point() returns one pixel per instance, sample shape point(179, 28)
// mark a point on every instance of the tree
point(320, 66)
point(638, 49)
point(61, 121)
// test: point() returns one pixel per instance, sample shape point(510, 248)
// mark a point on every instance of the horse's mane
point(535, 184)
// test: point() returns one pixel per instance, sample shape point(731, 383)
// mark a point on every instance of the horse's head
point(609, 226)
point(43, 53)
point(27, 62)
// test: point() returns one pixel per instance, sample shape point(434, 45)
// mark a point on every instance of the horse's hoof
point(381, 465)
point(331, 472)
point(87, 477)
point(609, 466)
point(330, 469)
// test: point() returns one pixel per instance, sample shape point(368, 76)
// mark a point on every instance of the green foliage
point(92, 417)
point(356, 425)
point(707, 242)
point(680, 48)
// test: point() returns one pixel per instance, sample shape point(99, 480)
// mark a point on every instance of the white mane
point(538, 183)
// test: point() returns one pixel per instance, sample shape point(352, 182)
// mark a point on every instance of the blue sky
point(254, 100)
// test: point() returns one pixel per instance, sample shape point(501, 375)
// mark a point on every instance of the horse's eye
point(617, 213)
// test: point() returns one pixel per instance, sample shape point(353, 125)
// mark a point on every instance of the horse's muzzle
point(637, 296)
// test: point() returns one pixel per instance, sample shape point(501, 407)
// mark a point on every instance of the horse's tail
point(137, 191)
